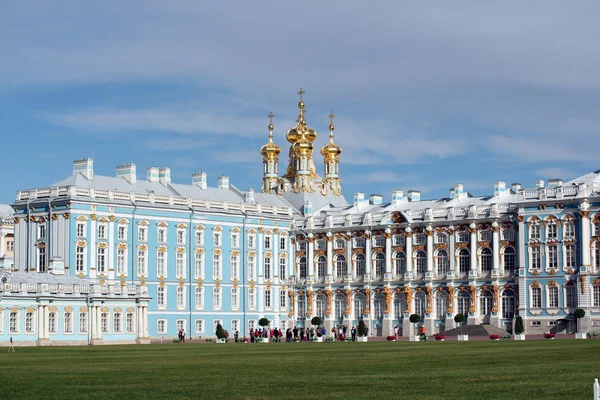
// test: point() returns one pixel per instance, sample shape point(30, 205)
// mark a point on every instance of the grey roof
point(34, 277)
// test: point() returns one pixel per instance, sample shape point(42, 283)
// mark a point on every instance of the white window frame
point(161, 326)
point(199, 298)
point(122, 257)
point(202, 325)
point(180, 296)
point(121, 232)
point(161, 297)
point(180, 263)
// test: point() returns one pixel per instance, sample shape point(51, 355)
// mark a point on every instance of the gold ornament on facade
point(51, 309)
point(552, 272)
point(584, 214)
point(93, 217)
point(81, 275)
point(348, 295)
point(309, 300)
point(329, 297)
point(582, 282)
point(102, 245)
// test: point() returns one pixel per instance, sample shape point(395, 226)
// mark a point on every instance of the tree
point(414, 319)
point(263, 322)
point(579, 313)
point(459, 318)
point(220, 332)
point(519, 327)
point(316, 321)
point(362, 328)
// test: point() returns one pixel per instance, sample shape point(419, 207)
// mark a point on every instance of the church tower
point(270, 153)
point(331, 153)
point(301, 169)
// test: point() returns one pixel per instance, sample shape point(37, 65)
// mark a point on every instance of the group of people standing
point(265, 333)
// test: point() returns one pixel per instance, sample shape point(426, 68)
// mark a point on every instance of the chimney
point(164, 175)
point(249, 195)
point(414, 195)
point(127, 171)
point(307, 209)
point(556, 182)
point(152, 174)
point(376, 199)
point(359, 199)
point(199, 179)
point(539, 184)
point(515, 187)
point(499, 189)
point(223, 182)
point(397, 197)
point(85, 166)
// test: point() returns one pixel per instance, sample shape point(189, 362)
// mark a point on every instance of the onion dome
point(296, 133)
point(270, 150)
point(331, 150)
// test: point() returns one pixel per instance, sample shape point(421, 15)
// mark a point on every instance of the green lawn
point(548, 369)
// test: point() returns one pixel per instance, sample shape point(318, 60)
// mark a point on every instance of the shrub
point(549, 335)
point(315, 321)
point(390, 338)
point(220, 333)
point(440, 337)
point(263, 322)
point(414, 318)
point(459, 318)
point(362, 329)
point(519, 327)
point(495, 337)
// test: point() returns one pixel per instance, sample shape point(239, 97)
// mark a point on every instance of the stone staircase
point(476, 330)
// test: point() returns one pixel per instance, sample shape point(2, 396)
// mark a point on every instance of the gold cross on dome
point(271, 115)
point(301, 92)
point(331, 117)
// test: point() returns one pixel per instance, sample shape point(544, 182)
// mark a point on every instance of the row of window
point(553, 298)
point(217, 298)
point(68, 323)
point(181, 233)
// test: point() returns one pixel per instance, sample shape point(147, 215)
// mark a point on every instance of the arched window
point(399, 306)
point(360, 265)
point(463, 300)
point(464, 261)
point(378, 305)
point(442, 263)
point(302, 266)
point(379, 265)
point(340, 243)
point(321, 267)
point(441, 304)
point(400, 264)
point(596, 255)
point(301, 309)
point(420, 304)
point(463, 236)
point(440, 237)
point(485, 303)
point(569, 229)
point(486, 259)
point(321, 304)
point(509, 259)
point(340, 266)
point(421, 260)
point(359, 306)
point(340, 307)
point(508, 304)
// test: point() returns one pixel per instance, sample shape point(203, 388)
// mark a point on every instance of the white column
point(409, 251)
point(46, 327)
point(429, 233)
point(275, 258)
point(140, 322)
point(291, 260)
point(98, 322)
point(310, 258)
point(111, 251)
point(473, 243)
point(329, 277)
point(91, 249)
point(145, 321)
point(350, 270)
point(495, 250)
point(92, 317)
point(260, 257)
point(452, 251)
point(585, 238)
point(521, 245)
point(368, 253)
point(388, 253)
point(41, 322)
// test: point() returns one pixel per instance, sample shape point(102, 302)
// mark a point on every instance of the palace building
point(197, 255)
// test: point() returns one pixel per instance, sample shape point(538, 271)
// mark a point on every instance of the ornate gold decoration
point(440, 246)
point(291, 295)
point(81, 275)
point(200, 250)
point(408, 293)
point(66, 215)
point(552, 272)
point(582, 282)
point(429, 298)
point(181, 225)
point(93, 217)
point(142, 247)
point(348, 295)
point(81, 243)
point(309, 300)
point(472, 290)
point(461, 245)
point(329, 296)
point(181, 249)
point(569, 271)
point(102, 245)
point(584, 214)
point(51, 309)
point(122, 246)
point(450, 299)
point(387, 293)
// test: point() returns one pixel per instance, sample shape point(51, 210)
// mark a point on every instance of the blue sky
point(425, 96)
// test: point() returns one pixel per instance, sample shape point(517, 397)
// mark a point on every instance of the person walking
point(295, 332)
point(353, 333)
point(423, 333)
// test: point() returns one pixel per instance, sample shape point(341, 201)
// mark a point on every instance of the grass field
point(557, 369)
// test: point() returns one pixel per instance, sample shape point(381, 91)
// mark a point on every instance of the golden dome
point(331, 150)
point(294, 134)
point(270, 150)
